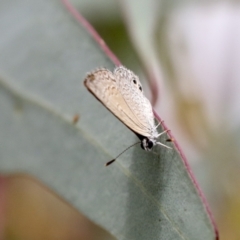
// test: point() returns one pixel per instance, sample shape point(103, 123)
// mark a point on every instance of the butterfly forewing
point(106, 87)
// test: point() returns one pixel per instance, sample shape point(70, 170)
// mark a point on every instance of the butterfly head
point(147, 144)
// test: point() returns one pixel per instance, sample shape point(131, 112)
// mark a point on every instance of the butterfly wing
point(131, 90)
point(105, 87)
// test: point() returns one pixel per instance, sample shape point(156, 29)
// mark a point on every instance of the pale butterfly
point(121, 92)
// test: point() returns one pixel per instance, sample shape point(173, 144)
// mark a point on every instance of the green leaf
point(45, 55)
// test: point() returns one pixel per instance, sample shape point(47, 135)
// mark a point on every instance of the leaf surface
point(45, 55)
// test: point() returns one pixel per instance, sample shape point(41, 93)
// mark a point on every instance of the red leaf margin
point(116, 61)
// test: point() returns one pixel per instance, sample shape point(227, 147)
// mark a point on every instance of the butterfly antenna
point(113, 160)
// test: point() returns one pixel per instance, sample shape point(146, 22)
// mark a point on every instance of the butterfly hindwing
point(132, 92)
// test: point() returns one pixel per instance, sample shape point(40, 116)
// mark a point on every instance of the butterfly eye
point(134, 81)
point(140, 88)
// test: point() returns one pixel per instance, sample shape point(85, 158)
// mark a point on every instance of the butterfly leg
point(162, 133)
point(158, 143)
point(160, 123)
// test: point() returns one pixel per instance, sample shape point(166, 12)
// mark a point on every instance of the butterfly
point(121, 92)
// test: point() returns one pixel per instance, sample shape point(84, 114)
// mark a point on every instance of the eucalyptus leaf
point(45, 55)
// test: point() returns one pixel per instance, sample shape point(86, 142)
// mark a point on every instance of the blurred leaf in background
point(33, 212)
